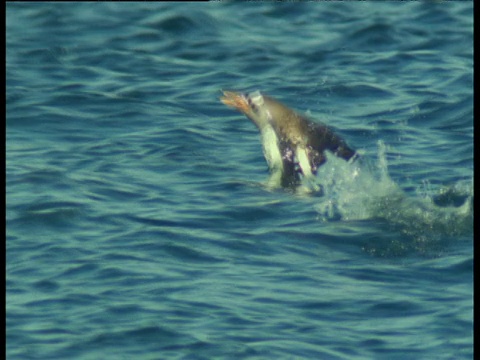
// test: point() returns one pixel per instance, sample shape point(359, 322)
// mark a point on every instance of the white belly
point(273, 155)
point(308, 181)
point(304, 162)
point(271, 150)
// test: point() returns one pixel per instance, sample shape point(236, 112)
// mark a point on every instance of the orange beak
point(235, 100)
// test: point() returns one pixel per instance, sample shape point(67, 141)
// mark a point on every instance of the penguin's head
point(251, 104)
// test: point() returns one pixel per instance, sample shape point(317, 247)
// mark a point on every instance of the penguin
point(293, 145)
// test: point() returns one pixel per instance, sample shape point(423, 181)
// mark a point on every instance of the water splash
point(364, 190)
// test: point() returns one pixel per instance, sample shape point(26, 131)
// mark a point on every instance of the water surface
point(138, 221)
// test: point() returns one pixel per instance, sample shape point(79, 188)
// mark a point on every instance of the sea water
point(139, 223)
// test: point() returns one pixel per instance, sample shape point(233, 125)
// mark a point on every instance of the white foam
point(363, 190)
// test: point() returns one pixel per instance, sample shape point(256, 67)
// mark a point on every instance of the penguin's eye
point(251, 104)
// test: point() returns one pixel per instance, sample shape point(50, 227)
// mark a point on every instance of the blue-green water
point(138, 221)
